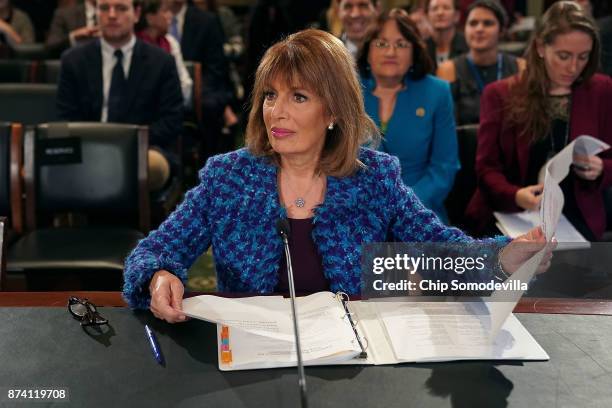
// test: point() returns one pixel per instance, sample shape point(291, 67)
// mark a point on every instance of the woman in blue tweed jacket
point(303, 161)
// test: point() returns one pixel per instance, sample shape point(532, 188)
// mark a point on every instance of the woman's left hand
point(587, 167)
point(522, 248)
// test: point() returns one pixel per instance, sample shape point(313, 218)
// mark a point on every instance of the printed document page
point(555, 171)
point(516, 224)
point(442, 331)
point(261, 328)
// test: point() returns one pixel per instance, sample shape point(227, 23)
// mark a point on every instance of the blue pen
point(154, 345)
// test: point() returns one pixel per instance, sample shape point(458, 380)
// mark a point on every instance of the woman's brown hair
point(527, 105)
point(319, 62)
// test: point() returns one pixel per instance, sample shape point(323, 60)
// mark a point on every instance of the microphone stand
point(283, 230)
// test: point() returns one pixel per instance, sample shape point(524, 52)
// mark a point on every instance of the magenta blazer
point(502, 161)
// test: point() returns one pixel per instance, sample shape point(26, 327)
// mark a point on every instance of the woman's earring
point(331, 126)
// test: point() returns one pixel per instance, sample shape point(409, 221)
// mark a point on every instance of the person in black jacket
point(201, 37)
point(72, 25)
point(121, 79)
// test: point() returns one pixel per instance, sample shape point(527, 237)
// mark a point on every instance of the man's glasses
point(384, 44)
point(85, 312)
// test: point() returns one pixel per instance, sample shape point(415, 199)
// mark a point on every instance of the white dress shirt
point(184, 77)
point(90, 14)
point(180, 19)
point(108, 63)
point(352, 47)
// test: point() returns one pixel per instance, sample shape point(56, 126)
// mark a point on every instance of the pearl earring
point(331, 126)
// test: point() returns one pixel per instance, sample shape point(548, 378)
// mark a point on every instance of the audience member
point(15, 25)
point(414, 110)
point(358, 19)
point(229, 22)
point(201, 37)
point(119, 78)
point(483, 63)
point(72, 25)
point(329, 20)
point(419, 17)
point(234, 50)
point(447, 42)
point(530, 117)
point(587, 5)
point(509, 6)
point(152, 28)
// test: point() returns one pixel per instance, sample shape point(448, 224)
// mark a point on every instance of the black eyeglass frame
point(91, 317)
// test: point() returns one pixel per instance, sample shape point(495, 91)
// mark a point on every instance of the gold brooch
point(420, 112)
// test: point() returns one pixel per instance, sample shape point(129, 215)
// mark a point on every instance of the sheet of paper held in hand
point(551, 207)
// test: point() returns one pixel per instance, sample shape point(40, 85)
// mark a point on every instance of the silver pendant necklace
point(300, 201)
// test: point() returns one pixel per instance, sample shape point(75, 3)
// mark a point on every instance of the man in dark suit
point(72, 25)
point(118, 78)
point(201, 37)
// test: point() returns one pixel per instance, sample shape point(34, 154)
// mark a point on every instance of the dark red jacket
point(502, 161)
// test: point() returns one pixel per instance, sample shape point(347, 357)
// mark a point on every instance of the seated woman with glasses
point(413, 109)
point(483, 63)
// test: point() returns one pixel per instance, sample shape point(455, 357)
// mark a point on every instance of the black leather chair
point(465, 180)
point(29, 104)
point(3, 227)
point(11, 162)
point(17, 71)
point(91, 180)
point(49, 71)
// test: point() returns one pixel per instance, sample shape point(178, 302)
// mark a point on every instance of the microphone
point(283, 229)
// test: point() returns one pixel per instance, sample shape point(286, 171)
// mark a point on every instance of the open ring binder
point(344, 299)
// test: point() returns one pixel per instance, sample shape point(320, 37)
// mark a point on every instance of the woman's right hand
point(528, 198)
point(167, 297)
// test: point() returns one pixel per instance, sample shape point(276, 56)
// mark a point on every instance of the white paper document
point(550, 218)
point(264, 325)
point(516, 224)
point(555, 171)
point(442, 331)
point(390, 332)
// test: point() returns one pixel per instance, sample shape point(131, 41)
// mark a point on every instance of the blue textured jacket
point(421, 133)
point(235, 208)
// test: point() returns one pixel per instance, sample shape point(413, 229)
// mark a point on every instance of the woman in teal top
point(413, 109)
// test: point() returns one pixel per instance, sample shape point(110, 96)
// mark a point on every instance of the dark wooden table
point(43, 346)
point(525, 305)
